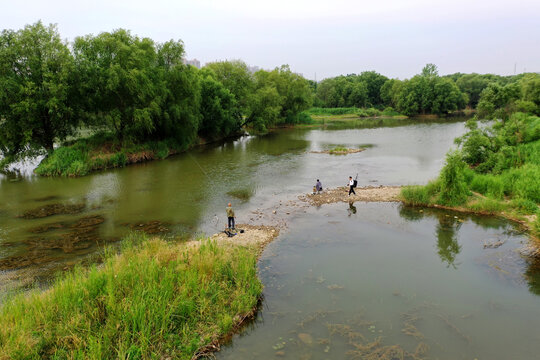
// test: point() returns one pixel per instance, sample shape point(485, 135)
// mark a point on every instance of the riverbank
point(154, 299)
point(102, 151)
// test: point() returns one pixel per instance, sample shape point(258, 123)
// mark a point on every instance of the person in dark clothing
point(351, 186)
point(230, 216)
point(318, 186)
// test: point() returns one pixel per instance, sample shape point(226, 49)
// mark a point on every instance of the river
point(342, 280)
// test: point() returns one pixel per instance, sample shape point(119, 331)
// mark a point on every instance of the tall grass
point(102, 151)
point(154, 300)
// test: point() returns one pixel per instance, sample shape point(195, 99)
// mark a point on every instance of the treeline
point(425, 93)
point(133, 88)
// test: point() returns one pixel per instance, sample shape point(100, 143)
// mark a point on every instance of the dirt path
point(341, 194)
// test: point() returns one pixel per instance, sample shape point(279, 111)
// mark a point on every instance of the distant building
point(193, 62)
point(253, 69)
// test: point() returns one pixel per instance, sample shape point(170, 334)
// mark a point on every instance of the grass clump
point(154, 300)
point(102, 151)
point(338, 150)
point(241, 194)
point(488, 206)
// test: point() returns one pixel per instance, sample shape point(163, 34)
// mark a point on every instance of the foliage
point(219, 110)
point(279, 97)
point(429, 94)
point(420, 195)
point(236, 77)
point(454, 190)
point(35, 89)
point(154, 300)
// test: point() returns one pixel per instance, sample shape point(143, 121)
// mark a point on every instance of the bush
point(454, 189)
point(161, 150)
point(118, 160)
point(524, 206)
point(62, 161)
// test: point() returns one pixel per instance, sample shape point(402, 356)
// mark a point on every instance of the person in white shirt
point(351, 186)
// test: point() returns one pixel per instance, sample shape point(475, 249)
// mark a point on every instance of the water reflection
point(447, 243)
point(352, 209)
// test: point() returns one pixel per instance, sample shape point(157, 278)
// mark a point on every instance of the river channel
point(342, 280)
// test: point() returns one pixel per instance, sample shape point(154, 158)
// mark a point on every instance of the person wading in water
point(230, 216)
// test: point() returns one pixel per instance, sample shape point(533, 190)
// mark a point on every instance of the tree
point(497, 101)
point(35, 84)
point(236, 77)
point(179, 97)
point(374, 81)
point(284, 93)
point(428, 93)
point(430, 71)
point(472, 85)
point(530, 92)
point(118, 81)
point(219, 110)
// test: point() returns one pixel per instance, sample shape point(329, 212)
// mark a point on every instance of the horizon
point(316, 39)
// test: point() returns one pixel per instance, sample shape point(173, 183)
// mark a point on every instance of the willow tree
point(35, 111)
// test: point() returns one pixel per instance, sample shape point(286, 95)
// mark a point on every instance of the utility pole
point(515, 66)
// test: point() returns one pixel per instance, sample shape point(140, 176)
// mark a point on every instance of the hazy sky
point(393, 37)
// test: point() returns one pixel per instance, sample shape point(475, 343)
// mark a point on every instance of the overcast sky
point(393, 37)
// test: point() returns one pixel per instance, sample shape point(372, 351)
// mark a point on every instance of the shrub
point(162, 150)
point(61, 162)
point(118, 160)
point(524, 206)
point(454, 189)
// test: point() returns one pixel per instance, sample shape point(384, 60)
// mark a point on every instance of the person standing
point(230, 216)
point(351, 186)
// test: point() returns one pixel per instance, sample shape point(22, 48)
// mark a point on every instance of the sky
point(316, 38)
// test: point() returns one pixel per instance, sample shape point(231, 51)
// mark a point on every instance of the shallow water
point(340, 277)
point(188, 192)
point(334, 267)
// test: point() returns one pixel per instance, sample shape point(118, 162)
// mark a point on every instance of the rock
point(280, 353)
point(305, 338)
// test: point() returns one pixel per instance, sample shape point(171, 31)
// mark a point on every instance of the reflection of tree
point(533, 274)
point(411, 213)
point(447, 242)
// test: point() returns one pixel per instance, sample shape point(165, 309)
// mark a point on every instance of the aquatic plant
point(243, 194)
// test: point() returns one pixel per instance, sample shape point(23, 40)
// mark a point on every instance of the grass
point(242, 194)
point(102, 151)
point(321, 115)
point(338, 150)
point(152, 300)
